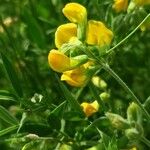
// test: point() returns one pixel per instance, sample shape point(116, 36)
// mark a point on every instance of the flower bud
point(132, 134)
point(117, 121)
point(134, 113)
point(32, 136)
point(75, 12)
point(59, 62)
point(36, 98)
point(65, 147)
point(64, 33)
point(97, 81)
point(90, 108)
point(120, 5)
point(105, 96)
point(98, 34)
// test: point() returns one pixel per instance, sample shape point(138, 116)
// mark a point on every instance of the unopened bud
point(97, 81)
point(105, 96)
point(36, 98)
point(32, 136)
point(65, 147)
point(134, 113)
point(117, 121)
point(132, 134)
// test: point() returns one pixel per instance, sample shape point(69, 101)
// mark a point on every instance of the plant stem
point(110, 50)
point(127, 89)
point(146, 141)
point(63, 123)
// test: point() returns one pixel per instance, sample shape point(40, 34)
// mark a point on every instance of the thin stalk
point(127, 89)
point(110, 50)
point(146, 141)
point(63, 123)
point(121, 82)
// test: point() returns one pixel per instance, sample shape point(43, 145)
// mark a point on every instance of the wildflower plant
point(74, 99)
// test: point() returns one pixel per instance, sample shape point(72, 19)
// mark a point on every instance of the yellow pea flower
point(75, 12)
point(59, 62)
point(120, 5)
point(75, 77)
point(141, 2)
point(98, 34)
point(64, 33)
point(90, 108)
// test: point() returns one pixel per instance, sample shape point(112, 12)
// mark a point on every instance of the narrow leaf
point(33, 28)
point(12, 75)
point(7, 130)
point(102, 121)
point(7, 98)
point(6, 116)
point(71, 100)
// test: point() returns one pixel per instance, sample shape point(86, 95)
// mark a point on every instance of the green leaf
point(7, 130)
point(59, 109)
point(33, 29)
point(6, 116)
point(7, 98)
point(71, 100)
point(12, 75)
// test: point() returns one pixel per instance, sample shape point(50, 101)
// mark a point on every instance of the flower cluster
point(72, 39)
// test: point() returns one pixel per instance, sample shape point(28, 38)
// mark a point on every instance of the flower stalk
point(129, 35)
point(127, 89)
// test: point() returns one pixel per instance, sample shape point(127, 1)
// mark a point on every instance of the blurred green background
point(27, 30)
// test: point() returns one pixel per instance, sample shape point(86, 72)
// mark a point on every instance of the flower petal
point(90, 108)
point(75, 12)
point(75, 77)
point(64, 33)
point(120, 5)
point(98, 34)
point(58, 61)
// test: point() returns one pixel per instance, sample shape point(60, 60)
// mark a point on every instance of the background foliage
point(24, 73)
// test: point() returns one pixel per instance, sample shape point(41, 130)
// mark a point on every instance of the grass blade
point(7, 130)
point(71, 100)
point(12, 75)
point(6, 116)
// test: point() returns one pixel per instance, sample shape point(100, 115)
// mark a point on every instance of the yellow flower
point(90, 108)
point(141, 2)
point(64, 33)
point(98, 34)
point(59, 62)
point(75, 12)
point(120, 5)
point(76, 77)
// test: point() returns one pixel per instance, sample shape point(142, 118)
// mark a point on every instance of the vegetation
point(74, 74)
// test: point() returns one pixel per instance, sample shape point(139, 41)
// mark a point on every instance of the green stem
point(127, 89)
point(146, 141)
point(63, 123)
point(121, 82)
point(110, 50)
